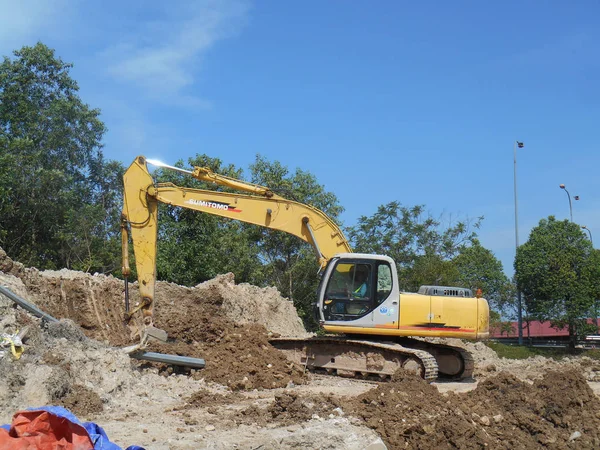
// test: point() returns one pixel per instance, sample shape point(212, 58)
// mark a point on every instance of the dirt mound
point(502, 412)
point(204, 397)
point(396, 409)
point(287, 408)
point(290, 407)
point(96, 302)
point(82, 401)
point(238, 356)
point(93, 302)
point(219, 321)
point(248, 304)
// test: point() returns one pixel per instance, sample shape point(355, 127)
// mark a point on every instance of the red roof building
point(536, 330)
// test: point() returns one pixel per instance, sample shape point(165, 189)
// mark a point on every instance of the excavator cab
point(359, 294)
point(354, 287)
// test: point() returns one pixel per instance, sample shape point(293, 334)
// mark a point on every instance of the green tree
point(430, 268)
point(58, 196)
point(422, 246)
point(558, 272)
point(194, 247)
point(478, 268)
point(498, 325)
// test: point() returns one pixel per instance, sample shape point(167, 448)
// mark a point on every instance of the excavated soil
point(237, 354)
point(290, 407)
point(558, 411)
point(249, 396)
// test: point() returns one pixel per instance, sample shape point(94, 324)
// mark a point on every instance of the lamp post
point(576, 197)
point(596, 301)
point(520, 305)
point(590, 233)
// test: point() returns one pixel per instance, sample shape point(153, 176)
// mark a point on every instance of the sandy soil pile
point(247, 304)
point(290, 407)
point(97, 302)
point(60, 366)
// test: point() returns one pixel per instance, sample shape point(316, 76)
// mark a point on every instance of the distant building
point(535, 330)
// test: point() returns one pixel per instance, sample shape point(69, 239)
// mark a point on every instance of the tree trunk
point(572, 337)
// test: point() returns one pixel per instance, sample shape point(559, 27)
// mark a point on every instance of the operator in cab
point(360, 278)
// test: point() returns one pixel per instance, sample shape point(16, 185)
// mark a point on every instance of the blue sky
point(419, 102)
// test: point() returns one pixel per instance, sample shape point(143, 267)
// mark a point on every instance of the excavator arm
point(257, 205)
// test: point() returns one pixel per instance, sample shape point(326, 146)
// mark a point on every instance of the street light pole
point(590, 233)
point(520, 304)
point(562, 186)
point(596, 301)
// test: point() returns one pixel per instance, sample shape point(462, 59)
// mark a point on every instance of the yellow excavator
point(376, 327)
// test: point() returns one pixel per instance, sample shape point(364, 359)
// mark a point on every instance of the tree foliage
point(422, 246)
point(478, 268)
point(194, 247)
point(58, 196)
point(558, 271)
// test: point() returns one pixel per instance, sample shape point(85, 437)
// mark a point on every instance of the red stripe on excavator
point(461, 330)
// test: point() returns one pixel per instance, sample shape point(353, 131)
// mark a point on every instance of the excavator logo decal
point(212, 204)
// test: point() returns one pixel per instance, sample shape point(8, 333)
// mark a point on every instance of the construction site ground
point(249, 396)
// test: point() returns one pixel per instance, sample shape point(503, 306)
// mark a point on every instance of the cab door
point(386, 309)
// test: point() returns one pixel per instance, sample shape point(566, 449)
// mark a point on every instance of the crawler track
point(454, 363)
point(357, 358)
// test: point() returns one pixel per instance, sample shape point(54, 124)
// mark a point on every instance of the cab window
point(349, 293)
point(384, 282)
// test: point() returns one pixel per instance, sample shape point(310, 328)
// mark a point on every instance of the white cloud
point(131, 59)
point(27, 21)
point(162, 57)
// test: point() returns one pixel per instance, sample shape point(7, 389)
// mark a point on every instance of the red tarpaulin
point(42, 430)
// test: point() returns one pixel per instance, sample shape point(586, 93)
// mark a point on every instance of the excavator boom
point(259, 206)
